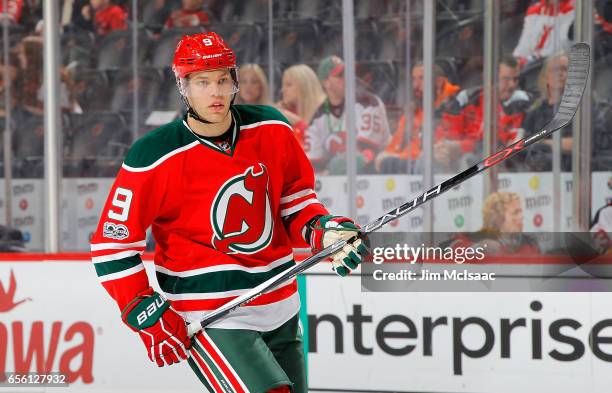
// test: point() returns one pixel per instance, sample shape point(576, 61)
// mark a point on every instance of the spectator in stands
point(191, 15)
point(401, 149)
point(461, 129)
point(105, 15)
point(10, 70)
point(603, 15)
point(325, 138)
point(253, 85)
point(550, 85)
point(502, 227)
point(502, 220)
point(15, 8)
point(30, 83)
point(502, 212)
point(538, 36)
point(30, 74)
point(302, 95)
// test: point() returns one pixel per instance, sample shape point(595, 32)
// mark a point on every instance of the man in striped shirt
point(228, 192)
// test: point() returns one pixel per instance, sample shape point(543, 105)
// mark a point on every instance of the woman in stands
point(550, 85)
point(30, 81)
point(301, 96)
point(502, 228)
point(253, 85)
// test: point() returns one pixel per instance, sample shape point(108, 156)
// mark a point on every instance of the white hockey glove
point(326, 230)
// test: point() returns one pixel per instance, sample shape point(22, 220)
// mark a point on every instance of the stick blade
point(579, 57)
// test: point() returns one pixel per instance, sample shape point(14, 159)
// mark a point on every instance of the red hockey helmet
point(202, 52)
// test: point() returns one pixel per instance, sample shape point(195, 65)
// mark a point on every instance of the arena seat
point(367, 40)
point(331, 41)
point(28, 145)
point(98, 144)
point(147, 86)
point(168, 98)
point(163, 48)
point(92, 89)
point(245, 39)
point(114, 50)
point(295, 41)
point(76, 47)
point(381, 77)
point(150, 15)
point(602, 137)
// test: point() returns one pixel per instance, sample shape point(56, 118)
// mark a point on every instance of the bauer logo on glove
point(146, 313)
point(161, 329)
point(327, 230)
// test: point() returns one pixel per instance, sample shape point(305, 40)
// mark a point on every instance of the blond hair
point(543, 76)
point(311, 93)
point(264, 96)
point(494, 209)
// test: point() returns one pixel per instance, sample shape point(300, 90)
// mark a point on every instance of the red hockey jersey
point(224, 222)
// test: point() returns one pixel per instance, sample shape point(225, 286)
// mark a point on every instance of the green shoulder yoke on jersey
point(173, 136)
point(251, 114)
point(159, 143)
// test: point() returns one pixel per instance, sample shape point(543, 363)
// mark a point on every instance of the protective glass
point(202, 87)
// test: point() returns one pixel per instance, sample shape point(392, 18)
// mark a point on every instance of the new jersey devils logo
point(241, 215)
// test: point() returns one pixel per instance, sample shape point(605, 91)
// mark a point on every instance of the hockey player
point(229, 194)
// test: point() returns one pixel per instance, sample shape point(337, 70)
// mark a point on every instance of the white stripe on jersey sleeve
point(115, 256)
point(122, 274)
point(299, 194)
point(298, 207)
point(117, 246)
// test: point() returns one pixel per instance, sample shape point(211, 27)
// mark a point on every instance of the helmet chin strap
point(194, 115)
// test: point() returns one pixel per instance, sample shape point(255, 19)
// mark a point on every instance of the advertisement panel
point(55, 316)
point(456, 210)
point(456, 342)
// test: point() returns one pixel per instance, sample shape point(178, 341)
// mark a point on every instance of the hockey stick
point(579, 63)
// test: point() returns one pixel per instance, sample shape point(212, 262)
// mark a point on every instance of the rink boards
point(457, 210)
point(357, 341)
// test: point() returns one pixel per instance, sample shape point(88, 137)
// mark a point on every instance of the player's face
point(513, 217)
point(290, 91)
point(417, 82)
point(250, 87)
point(210, 93)
point(508, 81)
point(556, 73)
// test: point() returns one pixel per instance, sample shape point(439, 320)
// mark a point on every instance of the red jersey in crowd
point(545, 30)
point(185, 18)
point(463, 117)
point(14, 9)
point(110, 19)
